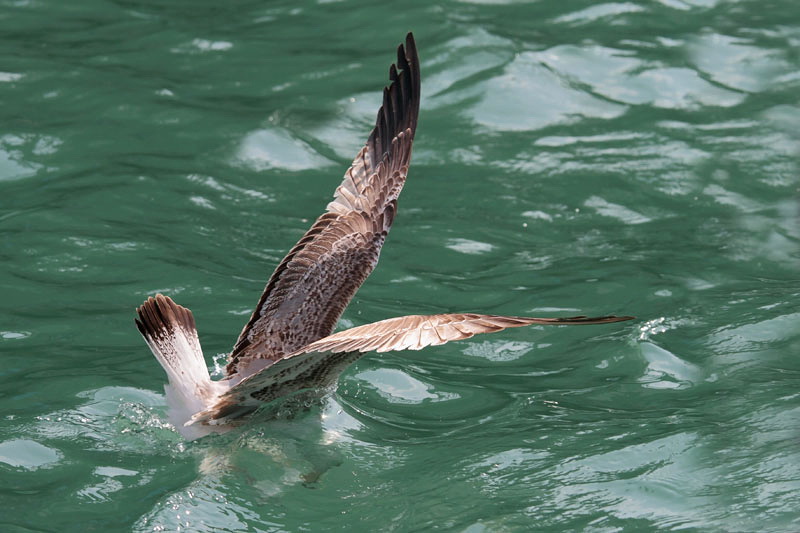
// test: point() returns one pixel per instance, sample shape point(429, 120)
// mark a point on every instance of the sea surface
point(572, 158)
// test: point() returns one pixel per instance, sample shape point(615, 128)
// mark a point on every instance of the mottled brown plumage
point(319, 364)
point(287, 345)
point(313, 284)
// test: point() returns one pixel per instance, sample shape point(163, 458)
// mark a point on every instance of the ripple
point(662, 324)
point(27, 454)
point(277, 148)
point(599, 11)
point(528, 96)
point(620, 212)
point(621, 76)
point(497, 2)
point(725, 197)
point(202, 46)
point(113, 418)
point(467, 246)
point(345, 134)
point(10, 77)
point(538, 215)
point(12, 165)
point(109, 484)
point(398, 387)
point(668, 162)
point(756, 336)
point(786, 118)
point(202, 506)
point(641, 481)
point(736, 62)
point(14, 334)
point(460, 60)
point(201, 201)
point(500, 470)
point(46, 145)
point(665, 370)
point(499, 350)
point(557, 141)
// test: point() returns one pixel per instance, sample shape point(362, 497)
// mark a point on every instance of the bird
point(288, 347)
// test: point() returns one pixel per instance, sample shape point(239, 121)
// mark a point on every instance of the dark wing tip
point(410, 43)
point(401, 99)
point(592, 320)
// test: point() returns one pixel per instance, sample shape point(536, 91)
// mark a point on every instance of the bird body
point(288, 345)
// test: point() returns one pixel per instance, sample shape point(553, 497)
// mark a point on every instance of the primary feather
point(313, 284)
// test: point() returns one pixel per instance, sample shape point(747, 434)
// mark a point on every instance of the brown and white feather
point(170, 332)
point(287, 346)
point(319, 364)
point(313, 284)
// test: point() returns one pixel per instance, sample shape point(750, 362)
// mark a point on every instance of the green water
point(571, 158)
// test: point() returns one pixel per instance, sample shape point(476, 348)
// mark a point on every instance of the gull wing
point(320, 363)
point(313, 284)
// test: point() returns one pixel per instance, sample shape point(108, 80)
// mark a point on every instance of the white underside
point(190, 389)
point(182, 407)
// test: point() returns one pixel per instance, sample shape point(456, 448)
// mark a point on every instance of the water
point(572, 158)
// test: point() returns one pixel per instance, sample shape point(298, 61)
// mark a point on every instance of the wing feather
point(316, 280)
point(320, 363)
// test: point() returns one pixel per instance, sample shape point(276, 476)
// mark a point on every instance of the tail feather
point(170, 332)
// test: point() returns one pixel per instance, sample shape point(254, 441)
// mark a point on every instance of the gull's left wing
point(316, 280)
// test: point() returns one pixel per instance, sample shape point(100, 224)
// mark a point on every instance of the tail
point(169, 330)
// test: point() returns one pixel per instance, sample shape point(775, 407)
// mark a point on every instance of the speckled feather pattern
point(287, 346)
point(313, 284)
point(319, 364)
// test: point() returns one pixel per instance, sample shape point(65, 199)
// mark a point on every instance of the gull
point(288, 347)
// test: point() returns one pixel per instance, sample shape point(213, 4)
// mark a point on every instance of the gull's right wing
point(320, 363)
